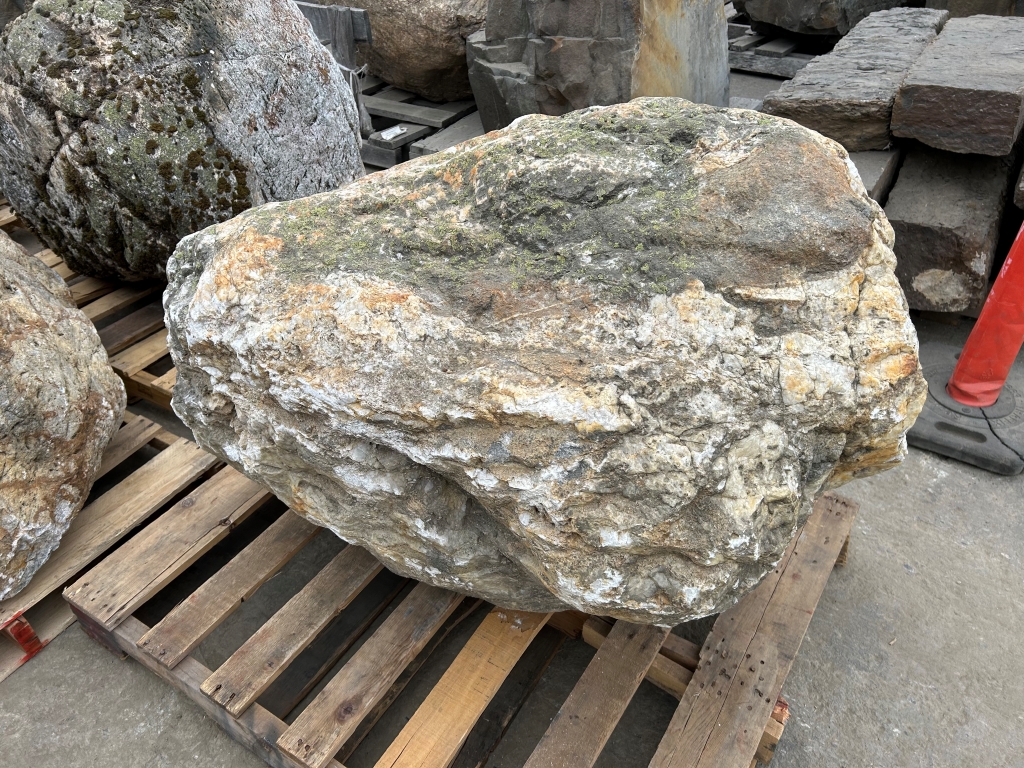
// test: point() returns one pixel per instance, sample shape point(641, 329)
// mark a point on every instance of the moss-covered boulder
point(60, 403)
point(125, 126)
point(605, 361)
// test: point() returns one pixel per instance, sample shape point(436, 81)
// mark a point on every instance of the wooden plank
point(193, 619)
point(663, 672)
point(676, 648)
point(723, 713)
point(777, 48)
point(135, 358)
point(89, 289)
point(49, 617)
point(155, 389)
point(369, 84)
point(586, 720)
point(397, 95)
point(466, 609)
point(380, 157)
point(412, 133)
point(132, 328)
point(313, 664)
point(7, 217)
point(252, 668)
point(506, 704)
point(64, 271)
point(435, 117)
point(49, 258)
point(747, 42)
point(107, 519)
point(163, 438)
point(143, 566)
point(326, 724)
point(569, 623)
point(256, 728)
point(117, 300)
point(434, 734)
point(129, 438)
point(462, 130)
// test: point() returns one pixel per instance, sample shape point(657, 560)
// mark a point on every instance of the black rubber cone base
point(991, 438)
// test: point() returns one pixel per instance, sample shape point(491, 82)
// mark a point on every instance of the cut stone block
point(960, 8)
point(966, 91)
point(811, 17)
point(848, 94)
point(552, 57)
point(945, 210)
point(878, 171)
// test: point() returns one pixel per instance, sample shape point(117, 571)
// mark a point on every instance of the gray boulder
point(10, 10)
point(605, 361)
point(125, 126)
point(550, 57)
point(60, 403)
point(811, 17)
point(421, 46)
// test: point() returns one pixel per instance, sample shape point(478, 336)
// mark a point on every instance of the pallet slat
point(138, 325)
point(440, 116)
point(722, 715)
point(434, 734)
point(117, 300)
point(129, 438)
point(252, 668)
point(204, 610)
point(586, 720)
point(135, 358)
point(326, 724)
point(107, 519)
point(143, 566)
point(89, 289)
point(665, 673)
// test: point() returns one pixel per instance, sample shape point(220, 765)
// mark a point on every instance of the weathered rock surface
point(60, 403)
point(945, 209)
point(10, 10)
point(848, 94)
point(812, 17)
point(421, 46)
point(878, 171)
point(604, 361)
point(965, 93)
point(125, 126)
point(550, 57)
point(960, 8)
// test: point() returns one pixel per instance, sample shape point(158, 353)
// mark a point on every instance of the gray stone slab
point(749, 61)
point(465, 129)
point(553, 57)
point(966, 91)
point(777, 48)
point(960, 8)
point(945, 210)
point(738, 102)
point(878, 171)
point(747, 42)
point(848, 94)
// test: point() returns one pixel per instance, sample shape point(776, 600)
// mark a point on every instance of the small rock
point(605, 361)
point(550, 57)
point(125, 126)
point(965, 93)
point(945, 210)
point(60, 403)
point(848, 94)
point(421, 46)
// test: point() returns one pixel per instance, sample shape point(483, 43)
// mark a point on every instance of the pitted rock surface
point(421, 46)
point(60, 403)
point(604, 361)
point(125, 126)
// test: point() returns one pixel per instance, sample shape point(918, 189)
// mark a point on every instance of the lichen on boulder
point(125, 126)
point(60, 403)
point(605, 361)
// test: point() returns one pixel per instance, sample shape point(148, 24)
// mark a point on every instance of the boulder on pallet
point(965, 93)
point(811, 17)
point(550, 57)
point(421, 46)
point(605, 361)
point(60, 403)
point(125, 126)
point(945, 209)
point(848, 94)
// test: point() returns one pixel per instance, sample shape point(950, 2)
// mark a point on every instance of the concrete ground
point(912, 659)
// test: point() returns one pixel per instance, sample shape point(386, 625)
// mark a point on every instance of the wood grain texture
point(129, 329)
point(193, 619)
point(252, 668)
point(326, 724)
point(586, 720)
point(725, 709)
point(434, 734)
point(117, 300)
point(128, 439)
point(144, 565)
point(138, 356)
point(663, 672)
point(108, 518)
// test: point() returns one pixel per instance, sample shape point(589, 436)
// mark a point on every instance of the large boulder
point(605, 361)
point(550, 57)
point(811, 17)
point(60, 403)
point(421, 46)
point(125, 126)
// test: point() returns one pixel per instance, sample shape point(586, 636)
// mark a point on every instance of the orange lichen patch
point(899, 367)
point(243, 262)
point(452, 179)
point(378, 299)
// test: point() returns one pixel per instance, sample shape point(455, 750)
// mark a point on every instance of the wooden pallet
point(729, 713)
